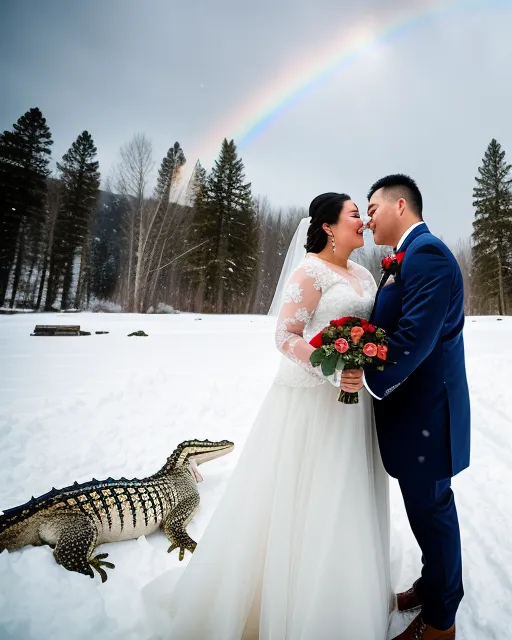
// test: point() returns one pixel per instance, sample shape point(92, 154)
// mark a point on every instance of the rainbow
point(302, 77)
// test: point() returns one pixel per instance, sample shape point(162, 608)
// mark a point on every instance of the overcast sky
point(425, 101)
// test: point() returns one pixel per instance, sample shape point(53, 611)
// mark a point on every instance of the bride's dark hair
point(325, 208)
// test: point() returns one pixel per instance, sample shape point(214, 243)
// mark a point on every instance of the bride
point(298, 548)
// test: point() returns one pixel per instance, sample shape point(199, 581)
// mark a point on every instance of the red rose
point(393, 259)
point(386, 262)
point(317, 340)
point(341, 345)
point(370, 328)
point(356, 333)
point(340, 322)
point(382, 351)
point(370, 350)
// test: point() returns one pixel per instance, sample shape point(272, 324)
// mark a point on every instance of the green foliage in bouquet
point(349, 343)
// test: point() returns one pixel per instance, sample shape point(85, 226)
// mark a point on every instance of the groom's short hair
point(398, 186)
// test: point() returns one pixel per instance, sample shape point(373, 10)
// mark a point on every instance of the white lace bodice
point(317, 293)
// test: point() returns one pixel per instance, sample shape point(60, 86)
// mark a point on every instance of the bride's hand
point(352, 380)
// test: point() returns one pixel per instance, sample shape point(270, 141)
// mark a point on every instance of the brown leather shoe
point(418, 630)
point(407, 600)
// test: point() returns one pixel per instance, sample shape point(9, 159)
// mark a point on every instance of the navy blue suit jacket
point(423, 417)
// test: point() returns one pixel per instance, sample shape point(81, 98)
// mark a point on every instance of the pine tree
point(80, 178)
point(158, 229)
point(162, 231)
point(24, 159)
point(199, 240)
point(225, 228)
point(168, 172)
point(492, 227)
point(196, 181)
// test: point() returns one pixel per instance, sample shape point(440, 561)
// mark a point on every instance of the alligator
point(76, 519)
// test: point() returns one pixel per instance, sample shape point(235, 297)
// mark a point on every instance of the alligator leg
point(98, 562)
point(75, 545)
point(175, 523)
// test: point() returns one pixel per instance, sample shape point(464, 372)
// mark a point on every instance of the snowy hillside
point(108, 405)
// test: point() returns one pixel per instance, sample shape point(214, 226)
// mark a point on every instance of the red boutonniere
point(392, 263)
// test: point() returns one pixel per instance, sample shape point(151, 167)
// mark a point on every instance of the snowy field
point(108, 405)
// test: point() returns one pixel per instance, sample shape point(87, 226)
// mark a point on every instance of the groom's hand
point(352, 380)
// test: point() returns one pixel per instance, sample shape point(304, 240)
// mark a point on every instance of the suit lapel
point(418, 231)
point(383, 280)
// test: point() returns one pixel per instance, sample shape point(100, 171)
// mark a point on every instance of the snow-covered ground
point(108, 405)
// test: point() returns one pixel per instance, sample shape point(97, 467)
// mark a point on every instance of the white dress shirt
point(400, 243)
point(402, 239)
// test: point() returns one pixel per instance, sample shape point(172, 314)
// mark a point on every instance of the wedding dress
point(298, 548)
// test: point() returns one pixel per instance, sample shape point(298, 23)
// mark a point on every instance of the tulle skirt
point(298, 548)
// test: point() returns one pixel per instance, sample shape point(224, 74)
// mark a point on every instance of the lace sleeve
point(299, 301)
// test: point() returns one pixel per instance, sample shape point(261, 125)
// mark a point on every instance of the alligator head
point(192, 453)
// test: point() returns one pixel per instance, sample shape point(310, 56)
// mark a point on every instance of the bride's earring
point(333, 244)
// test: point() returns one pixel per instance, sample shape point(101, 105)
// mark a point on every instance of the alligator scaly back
point(80, 517)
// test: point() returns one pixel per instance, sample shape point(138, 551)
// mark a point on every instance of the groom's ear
point(401, 204)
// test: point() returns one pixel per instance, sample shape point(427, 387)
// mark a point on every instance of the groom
point(422, 403)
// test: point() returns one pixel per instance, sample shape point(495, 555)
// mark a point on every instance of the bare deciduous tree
point(463, 253)
point(154, 227)
point(53, 206)
point(132, 181)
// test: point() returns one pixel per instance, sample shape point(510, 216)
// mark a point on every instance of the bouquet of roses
point(349, 343)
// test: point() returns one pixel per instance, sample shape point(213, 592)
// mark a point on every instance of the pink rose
point(341, 345)
point(370, 350)
point(356, 333)
point(382, 351)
